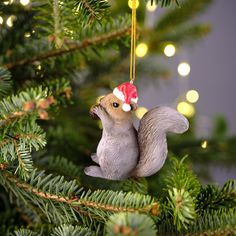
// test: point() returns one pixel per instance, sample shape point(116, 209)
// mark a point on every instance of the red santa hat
point(126, 92)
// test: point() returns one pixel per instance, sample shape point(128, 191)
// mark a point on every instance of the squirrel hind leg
point(94, 171)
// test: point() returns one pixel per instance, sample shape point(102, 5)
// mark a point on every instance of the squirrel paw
point(95, 111)
point(94, 171)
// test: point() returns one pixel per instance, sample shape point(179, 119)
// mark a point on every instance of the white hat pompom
point(126, 107)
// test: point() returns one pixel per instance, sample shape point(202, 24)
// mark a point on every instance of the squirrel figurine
point(123, 151)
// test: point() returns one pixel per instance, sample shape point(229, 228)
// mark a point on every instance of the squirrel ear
point(134, 106)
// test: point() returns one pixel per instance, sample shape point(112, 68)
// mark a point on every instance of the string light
point(1, 20)
point(27, 35)
point(10, 20)
point(204, 144)
point(169, 50)
point(8, 2)
point(184, 69)
point(130, 3)
point(24, 2)
point(192, 96)
point(140, 112)
point(151, 7)
point(186, 109)
point(141, 50)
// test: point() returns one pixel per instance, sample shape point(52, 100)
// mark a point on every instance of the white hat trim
point(119, 94)
point(135, 100)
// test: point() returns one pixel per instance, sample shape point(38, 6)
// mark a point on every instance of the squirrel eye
point(114, 104)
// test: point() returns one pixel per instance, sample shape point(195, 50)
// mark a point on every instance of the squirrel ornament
point(123, 151)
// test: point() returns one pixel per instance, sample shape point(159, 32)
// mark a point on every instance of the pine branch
point(181, 207)
point(66, 198)
point(70, 230)
point(91, 10)
point(212, 198)
point(165, 3)
point(221, 222)
point(183, 34)
point(24, 232)
point(25, 166)
point(178, 16)
point(183, 188)
point(62, 166)
point(5, 82)
point(63, 230)
point(180, 176)
point(33, 102)
point(72, 47)
point(130, 224)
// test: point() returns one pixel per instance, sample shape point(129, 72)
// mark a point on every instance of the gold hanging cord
point(133, 43)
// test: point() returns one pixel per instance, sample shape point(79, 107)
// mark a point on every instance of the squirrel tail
point(153, 128)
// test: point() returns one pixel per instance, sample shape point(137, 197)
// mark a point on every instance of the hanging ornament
point(123, 151)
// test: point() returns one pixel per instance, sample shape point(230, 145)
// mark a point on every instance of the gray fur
point(152, 138)
point(117, 151)
point(122, 153)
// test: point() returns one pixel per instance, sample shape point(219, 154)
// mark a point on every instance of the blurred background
point(212, 66)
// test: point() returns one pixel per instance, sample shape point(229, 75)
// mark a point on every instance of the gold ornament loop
point(133, 43)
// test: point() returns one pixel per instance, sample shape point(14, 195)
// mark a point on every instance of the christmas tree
point(56, 58)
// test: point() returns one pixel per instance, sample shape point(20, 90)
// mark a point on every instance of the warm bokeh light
point(1, 20)
point(27, 35)
point(186, 109)
point(169, 50)
point(204, 144)
point(130, 3)
point(184, 69)
point(140, 112)
point(24, 2)
point(10, 20)
point(141, 50)
point(192, 96)
point(6, 2)
point(152, 7)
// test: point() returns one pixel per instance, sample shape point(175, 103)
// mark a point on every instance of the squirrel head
point(113, 106)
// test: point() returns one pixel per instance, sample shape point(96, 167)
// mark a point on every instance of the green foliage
point(41, 191)
point(220, 127)
point(91, 10)
point(61, 18)
point(182, 207)
point(178, 16)
point(5, 82)
point(70, 230)
point(130, 224)
point(19, 132)
point(181, 177)
point(212, 198)
point(63, 201)
point(24, 232)
point(164, 3)
point(185, 34)
point(54, 164)
point(181, 188)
